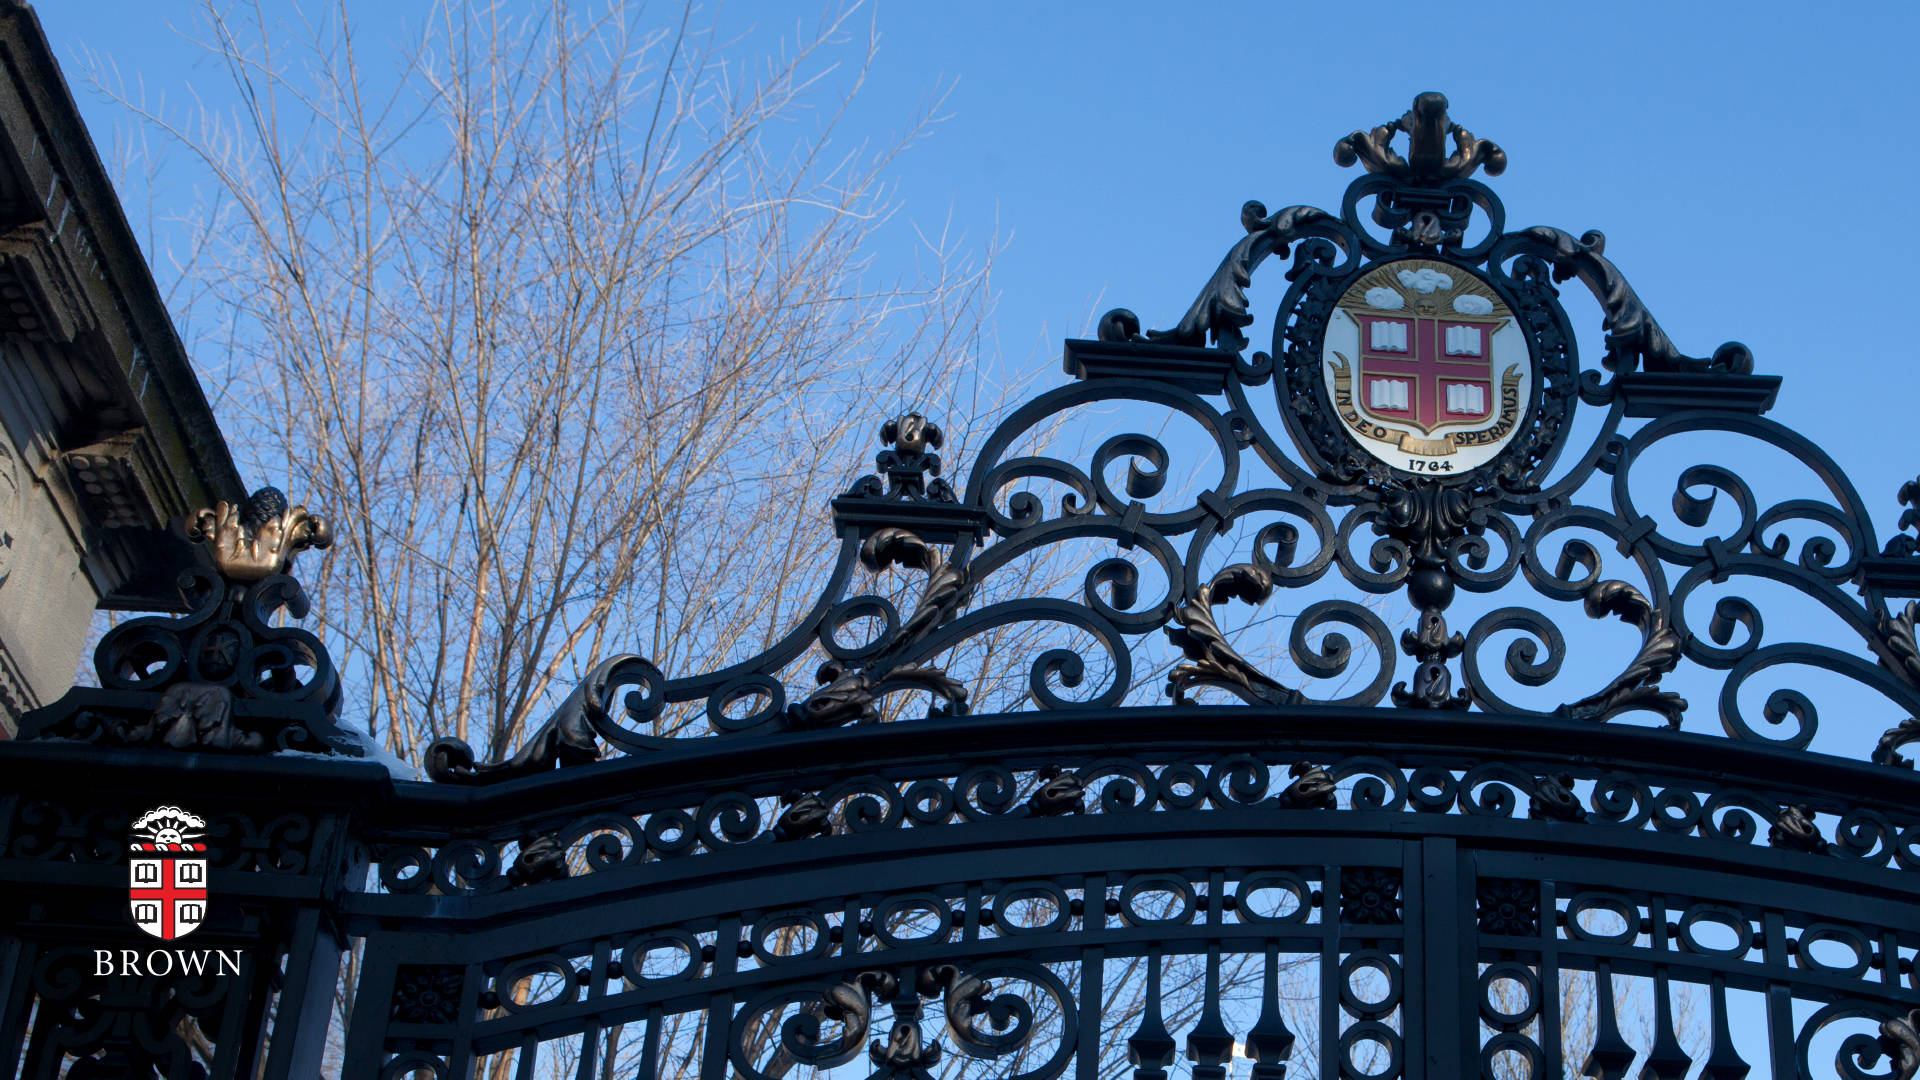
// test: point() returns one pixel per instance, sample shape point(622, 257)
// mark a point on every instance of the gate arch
point(1370, 856)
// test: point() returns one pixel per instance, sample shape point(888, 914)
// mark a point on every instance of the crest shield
point(167, 873)
point(1426, 365)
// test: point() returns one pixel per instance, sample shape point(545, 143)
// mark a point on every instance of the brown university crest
point(1426, 366)
point(168, 871)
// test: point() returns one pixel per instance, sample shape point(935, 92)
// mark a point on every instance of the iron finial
point(260, 537)
point(909, 465)
point(1902, 544)
point(1427, 127)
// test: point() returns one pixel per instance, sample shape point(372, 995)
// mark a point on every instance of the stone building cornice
point(125, 442)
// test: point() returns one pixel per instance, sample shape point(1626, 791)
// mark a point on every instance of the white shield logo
point(167, 868)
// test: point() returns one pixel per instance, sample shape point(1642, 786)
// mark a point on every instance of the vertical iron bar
point(1779, 998)
point(244, 1012)
point(1150, 1048)
point(726, 958)
point(1440, 947)
point(1093, 979)
point(589, 1052)
point(1552, 1046)
point(1723, 1058)
point(650, 1048)
point(529, 1056)
point(1092, 994)
point(1330, 919)
point(850, 940)
point(1210, 1044)
point(596, 989)
point(1665, 1059)
point(16, 998)
point(305, 1010)
point(473, 978)
point(1270, 1044)
point(372, 1001)
point(1610, 1055)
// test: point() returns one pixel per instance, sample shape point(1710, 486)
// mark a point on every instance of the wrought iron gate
point(1338, 863)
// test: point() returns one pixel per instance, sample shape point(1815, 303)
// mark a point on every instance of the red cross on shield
point(1426, 370)
point(168, 889)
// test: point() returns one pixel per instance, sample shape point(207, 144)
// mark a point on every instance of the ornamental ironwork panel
point(1415, 835)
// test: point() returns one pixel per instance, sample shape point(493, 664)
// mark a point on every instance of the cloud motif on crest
point(1385, 299)
point(1469, 304)
point(168, 817)
point(1425, 280)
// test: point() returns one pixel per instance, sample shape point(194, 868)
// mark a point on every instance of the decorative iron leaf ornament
point(1900, 654)
point(1634, 338)
point(1060, 793)
point(1221, 311)
point(1900, 1041)
point(1638, 687)
point(805, 814)
point(1213, 662)
point(1312, 788)
point(1795, 830)
point(571, 736)
point(910, 468)
point(542, 858)
point(1554, 799)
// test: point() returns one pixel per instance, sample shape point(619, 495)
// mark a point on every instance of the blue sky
point(1751, 164)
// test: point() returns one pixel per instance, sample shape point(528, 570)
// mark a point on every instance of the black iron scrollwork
point(966, 999)
point(1427, 509)
point(569, 737)
point(848, 691)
